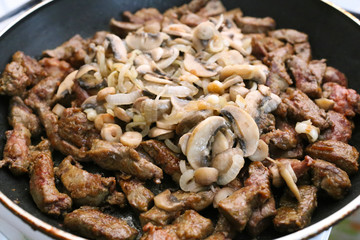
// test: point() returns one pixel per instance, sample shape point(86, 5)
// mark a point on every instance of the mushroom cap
point(196, 68)
point(245, 128)
point(257, 73)
point(197, 150)
point(117, 47)
point(144, 41)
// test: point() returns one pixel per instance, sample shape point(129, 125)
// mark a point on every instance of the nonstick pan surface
point(333, 36)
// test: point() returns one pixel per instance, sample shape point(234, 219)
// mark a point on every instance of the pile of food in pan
point(223, 105)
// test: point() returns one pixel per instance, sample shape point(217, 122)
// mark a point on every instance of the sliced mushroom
point(123, 28)
point(261, 152)
point(144, 41)
point(205, 30)
point(65, 86)
point(156, 132)
point(231, 57)
point(187, 182)
point(89, 76)
point(90, 102)
point(183, 140)
point(244, 127)
point(206, 175)
point(168, 202)
point(196, 68)
point(180, 30)
point(191, 119)
point(197, 150)
point(222, 142)
point(118, 47)
point(257, 73)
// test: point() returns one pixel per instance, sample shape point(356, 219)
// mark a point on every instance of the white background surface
point(12, 226)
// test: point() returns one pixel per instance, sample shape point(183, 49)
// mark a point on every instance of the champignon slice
point(168, 202)
point(196, 68)
point(144, 41)
point(222, 142)
point(183, 142)
point(197, 150)
point(117, 47)
point(123, 28)
point(204, 31)
point(257, 73)
point(191, 119)
point(244, 127)
point(180, 30)
point(66, 85)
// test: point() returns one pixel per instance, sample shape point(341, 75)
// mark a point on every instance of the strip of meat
point(293, 215)
point(197, 201)
point(340, 128)
point(192, 19)
point(212, 8)
point(285, 137)
point(72, 51)
point(83, 187)
point(162, 156)
point(16, 149)
point(303, 51)
point(143, 15)
point(261, 217)
point(44, 91)
point(341, 154)
point(123, 28)
point(75, 128)
point(92, 223)
point(300, 107)
point(42, 182)
point(158, 217)
point(116, 198)
point(20, 113)
point(330, 178)
point(347, 101)
point(117, 157)
point(308, 77)
point(289, 35)
point(334, 75)
point(50, 123)
point(138, 196)
point(21, 73)
point(255, 25)
point(190, 225)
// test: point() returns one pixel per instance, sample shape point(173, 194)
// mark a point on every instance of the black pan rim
point(54, 232)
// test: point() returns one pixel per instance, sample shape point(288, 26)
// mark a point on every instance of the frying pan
point(334, 35)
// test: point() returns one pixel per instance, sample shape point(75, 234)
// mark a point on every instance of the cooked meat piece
point(138, 196)
point(285, 137)
point(330, 178)
point(55, 67)
point(303, 51)
point(16, 149)
point(143, 15)
point(162, 156)
point(123, 28)
point(75, 128)
point(190, 225)
point(261, 46)
point(334, 75)
point(255, 25)
point(235, 184)
point(20, 113)
point(223, 229)
point(92, 223)
point(300, 107)
point(293, 215)
point(117, 157)
point(290, 35)
point(42, 182)
point(197, 201)
point(83, 187)
point(117, 198)
point(278, 79)
point(212, 8)
point(308, 77)
point(99, 37)
point(265, 122)
point(50, 123)
point(158, 217)
point(341, 154)
point(217, 236)
point(238, 207)
point(79, 94)
point(340, 128)
point(297, 152)
point(192, 19)
point(261, 217)
point(347, 101)
point(21, 73)
point(73, 51)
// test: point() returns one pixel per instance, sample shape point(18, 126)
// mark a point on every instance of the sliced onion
point(187, 182)
point(172, 146)
point(167, 62)
point(237, 165)
point(123, 98)
point(288, 174)
point(182, 165)
point(177, 91)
